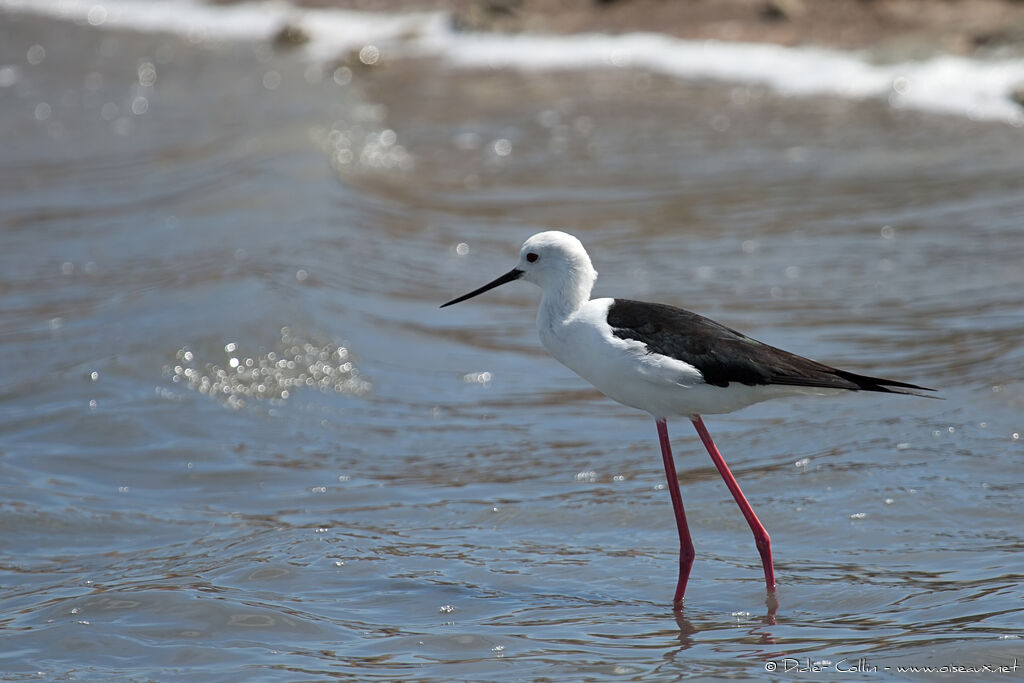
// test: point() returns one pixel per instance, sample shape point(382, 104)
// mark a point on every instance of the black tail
point(887, 386)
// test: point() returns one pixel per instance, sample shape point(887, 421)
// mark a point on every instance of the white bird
point(668, 362)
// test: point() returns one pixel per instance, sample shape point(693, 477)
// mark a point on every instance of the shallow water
point(238, 439)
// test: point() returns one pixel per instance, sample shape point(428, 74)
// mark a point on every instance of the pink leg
point(686, 553)
point(761, 539)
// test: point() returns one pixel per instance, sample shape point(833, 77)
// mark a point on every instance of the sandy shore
point(906, 26)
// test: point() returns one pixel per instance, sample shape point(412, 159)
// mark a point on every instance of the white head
point(550, 258)
point(553, 260)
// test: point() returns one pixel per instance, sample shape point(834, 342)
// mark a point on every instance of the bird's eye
point(531, 257)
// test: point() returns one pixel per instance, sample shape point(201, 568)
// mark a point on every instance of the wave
point(977, 88)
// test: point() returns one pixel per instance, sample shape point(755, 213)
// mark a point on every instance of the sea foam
point(977, 88)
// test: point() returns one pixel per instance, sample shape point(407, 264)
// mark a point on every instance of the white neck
point(564, 296)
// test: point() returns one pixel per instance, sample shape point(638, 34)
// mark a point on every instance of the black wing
point(723, 355)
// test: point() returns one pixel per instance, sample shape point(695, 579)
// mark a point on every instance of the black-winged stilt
point(667, 362)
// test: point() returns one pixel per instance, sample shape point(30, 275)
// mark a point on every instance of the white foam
point(965, 86)
point(972, 87)
point(330, 31)
point(185, 18)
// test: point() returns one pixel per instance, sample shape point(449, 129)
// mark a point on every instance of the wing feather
point(723, 355)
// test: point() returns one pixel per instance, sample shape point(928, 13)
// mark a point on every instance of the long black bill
point(511, 275)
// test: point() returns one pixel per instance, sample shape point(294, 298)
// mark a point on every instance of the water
point(440, 499)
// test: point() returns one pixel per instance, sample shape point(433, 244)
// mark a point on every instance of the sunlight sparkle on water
point(502, 147)
point(147, 74)
point(269, 375)
point(369, 55)
point(35, 55)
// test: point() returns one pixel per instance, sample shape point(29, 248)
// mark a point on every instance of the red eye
point(531, 257)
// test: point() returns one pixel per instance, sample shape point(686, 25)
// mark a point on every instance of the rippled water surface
point(239, 440)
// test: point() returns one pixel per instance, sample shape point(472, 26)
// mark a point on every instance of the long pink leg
point(686, 553)
point(761, 539)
